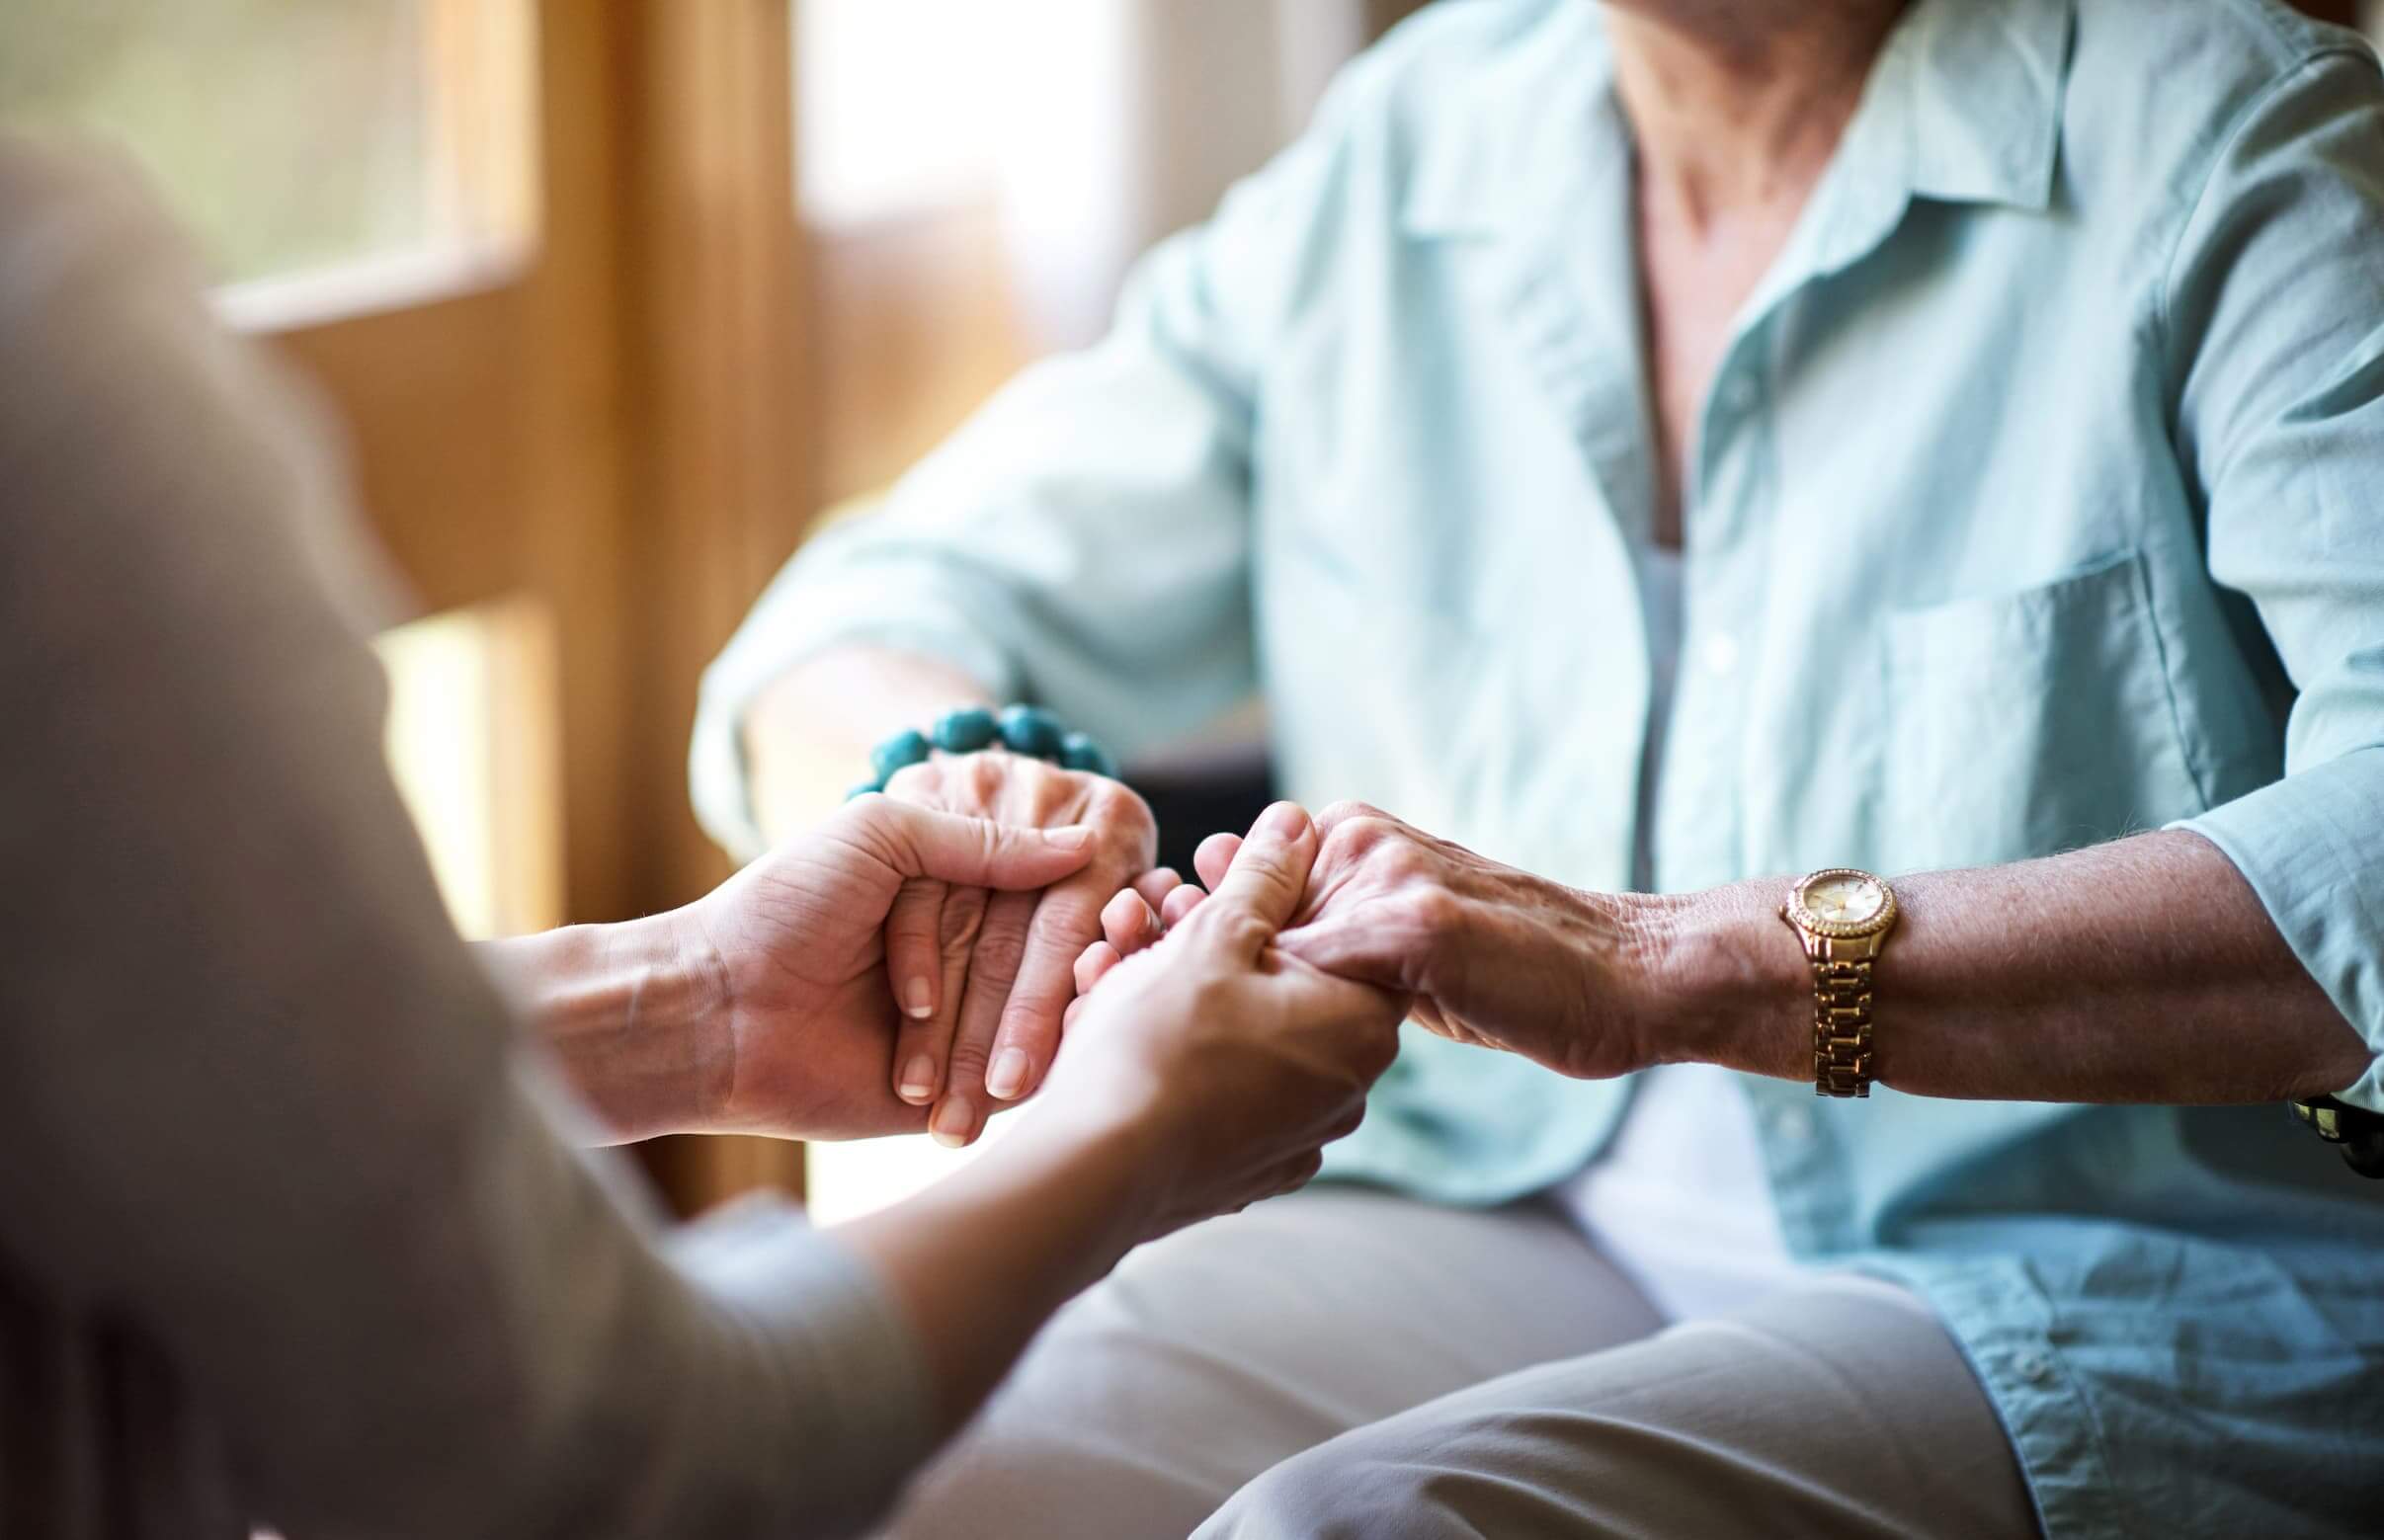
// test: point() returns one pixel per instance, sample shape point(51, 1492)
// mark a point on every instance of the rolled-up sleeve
point(259, 1109)
point(2276, 315)
point(1085, 539)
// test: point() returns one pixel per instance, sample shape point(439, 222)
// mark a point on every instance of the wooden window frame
point(608, 424)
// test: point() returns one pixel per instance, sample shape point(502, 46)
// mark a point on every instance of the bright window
point(293, 134)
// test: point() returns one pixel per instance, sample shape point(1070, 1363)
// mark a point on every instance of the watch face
point(1846, 898)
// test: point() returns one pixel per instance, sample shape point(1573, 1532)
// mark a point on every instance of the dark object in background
point(1196, 795)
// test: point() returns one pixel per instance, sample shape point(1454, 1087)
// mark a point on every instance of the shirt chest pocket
point(2024, 723)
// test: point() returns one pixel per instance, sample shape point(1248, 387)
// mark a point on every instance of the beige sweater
point(288, 1234)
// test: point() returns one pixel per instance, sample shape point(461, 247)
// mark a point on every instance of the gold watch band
point(1842, 1026)
point(1843, 915)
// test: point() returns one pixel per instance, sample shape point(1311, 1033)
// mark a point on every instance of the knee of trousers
point(1338, 1493)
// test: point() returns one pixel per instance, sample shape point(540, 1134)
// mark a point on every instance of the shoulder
point(2170, 105)
point(2169, 83)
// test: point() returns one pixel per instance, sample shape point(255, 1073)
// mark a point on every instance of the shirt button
point(1721, 654)
point(1793, 1125)
point(2031, 1367)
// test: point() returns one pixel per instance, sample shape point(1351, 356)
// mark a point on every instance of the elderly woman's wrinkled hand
point(983, 977)
point(1490, 955)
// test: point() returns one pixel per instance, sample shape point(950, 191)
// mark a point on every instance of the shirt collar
point(1962, 106)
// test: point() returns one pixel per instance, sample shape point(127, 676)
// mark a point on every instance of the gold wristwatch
point(1844, 917)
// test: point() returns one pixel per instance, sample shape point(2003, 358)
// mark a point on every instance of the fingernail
point(1074, 837)
point(1286, 821)
point(951, 1122)
point(1008, 1077)
point(920, 998)
point(918, 1079)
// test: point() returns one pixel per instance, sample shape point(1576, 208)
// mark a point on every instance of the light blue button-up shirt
point(2039, 498)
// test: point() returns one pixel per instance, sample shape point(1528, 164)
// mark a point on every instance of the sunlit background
point(617, 299)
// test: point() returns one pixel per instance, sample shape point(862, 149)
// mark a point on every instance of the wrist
point(638, 1017)
point(1730, 980)
point(1103, 1181)
point(1122, 1158)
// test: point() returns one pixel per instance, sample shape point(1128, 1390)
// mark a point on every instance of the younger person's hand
point(799, 942)
point(1236, 1062)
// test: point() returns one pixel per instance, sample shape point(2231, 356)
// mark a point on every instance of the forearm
point(636, 1014)
point(2143, 970)
point(808, 736)
point(983, 1259)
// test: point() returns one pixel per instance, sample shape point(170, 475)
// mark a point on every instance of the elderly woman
point(1675, 447)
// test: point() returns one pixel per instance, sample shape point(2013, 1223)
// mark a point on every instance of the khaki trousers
point(1349, 1363)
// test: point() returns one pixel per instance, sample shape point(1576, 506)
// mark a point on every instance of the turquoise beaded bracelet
point(1021, 729)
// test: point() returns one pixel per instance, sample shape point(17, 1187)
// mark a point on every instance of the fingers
point(1214, 857)
point(923, 1044)
point(1270, 873)
point(1180, 905)
point(1350, 950)
point(912, 961)
point(993, 969)
point(1128, 924)
point(1092, 966)
point(921, 842)
point(1065, 920)
point(1156, 884)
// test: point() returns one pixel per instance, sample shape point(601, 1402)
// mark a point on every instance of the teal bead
point(966, 730)
point(903, 749)
point(863, 791)
point(1031, 730)
point(1078, 751)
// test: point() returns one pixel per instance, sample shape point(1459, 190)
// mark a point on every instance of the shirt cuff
point(853, 1375)
point(2313, 850)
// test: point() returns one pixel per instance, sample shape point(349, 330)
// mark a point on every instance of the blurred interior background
point(617, 299)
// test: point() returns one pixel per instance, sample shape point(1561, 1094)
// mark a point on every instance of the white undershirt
point(1680, 1200)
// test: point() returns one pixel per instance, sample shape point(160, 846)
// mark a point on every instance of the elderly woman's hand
point(984, 978)
point(1491, 955)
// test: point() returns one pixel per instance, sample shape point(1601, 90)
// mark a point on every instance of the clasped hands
point(954, 980)
point(914, 961)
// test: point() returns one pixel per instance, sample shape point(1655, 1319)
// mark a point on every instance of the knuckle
point(1235, 927)
point(1119, 802)
point(994, 965)
point(911, 923)
point(915, 782)
point(1347, 810)
point(1399, 861)
point(963, 914)
point(1355, 841)
point(1425, 912)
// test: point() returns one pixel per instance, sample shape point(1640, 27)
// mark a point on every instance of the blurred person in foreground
point(1658, 450)
point(288, 1229)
